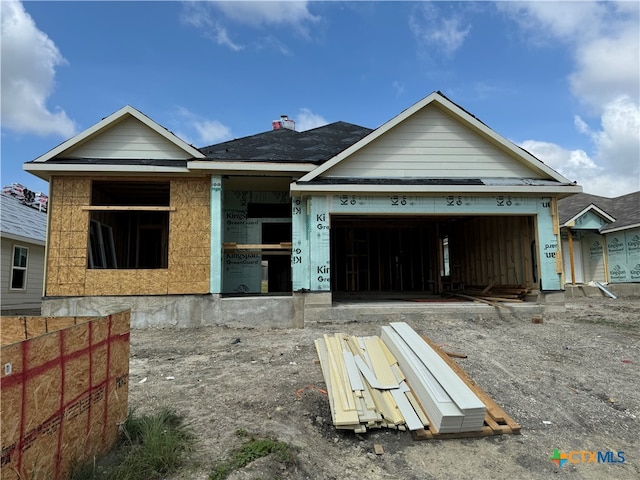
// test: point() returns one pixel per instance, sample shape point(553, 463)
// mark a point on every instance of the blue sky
point(561, 79)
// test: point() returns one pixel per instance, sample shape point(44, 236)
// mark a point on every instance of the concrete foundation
point(182, 311)
point(305, 309)
point(619, 289)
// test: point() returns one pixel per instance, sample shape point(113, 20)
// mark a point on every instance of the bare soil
point(572, 383)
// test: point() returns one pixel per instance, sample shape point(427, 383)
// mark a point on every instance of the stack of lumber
point(492, 293)
point(449, 403)
point(395, 381)
point(366, 388)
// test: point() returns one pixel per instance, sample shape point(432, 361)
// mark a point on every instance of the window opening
point(131, 231)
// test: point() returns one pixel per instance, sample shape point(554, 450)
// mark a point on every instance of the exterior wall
point(30, 299)
point(623, 255)
point(311, 223)
point(189, 244)
point(430, 144)
point(129, 139)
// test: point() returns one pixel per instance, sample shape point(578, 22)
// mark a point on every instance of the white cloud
point(29, 60)
point(198, 15)
point(607, 67)
point(577, 166)
point(260, 13)
point(433, 30)
point(307, 120)
point(603, 40)
point(208, 17)
point(617, 143)
point(205, 131)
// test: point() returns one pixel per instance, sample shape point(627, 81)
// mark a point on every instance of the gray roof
point(288, 146)
point(22, 222)
point(625, 209)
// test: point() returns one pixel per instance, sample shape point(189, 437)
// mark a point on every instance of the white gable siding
point(430, 144)
point(129, 139)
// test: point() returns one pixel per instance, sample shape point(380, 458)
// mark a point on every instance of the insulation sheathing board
point(467, 401)
point(64, 391)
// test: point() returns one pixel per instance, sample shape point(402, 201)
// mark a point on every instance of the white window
point(19, 268)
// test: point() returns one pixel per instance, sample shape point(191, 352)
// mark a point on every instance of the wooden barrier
point(64, 391)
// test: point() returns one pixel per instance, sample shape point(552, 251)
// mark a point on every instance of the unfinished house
point(284, 228)
point(600, 238)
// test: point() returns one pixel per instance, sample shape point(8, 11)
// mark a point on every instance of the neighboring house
point(431, 200)
point(22, 237)
point(601, 238)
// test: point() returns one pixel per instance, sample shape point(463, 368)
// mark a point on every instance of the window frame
point(15, 267)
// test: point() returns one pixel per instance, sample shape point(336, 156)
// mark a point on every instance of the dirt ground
point(572, 383)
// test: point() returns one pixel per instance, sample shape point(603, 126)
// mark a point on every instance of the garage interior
point(425, 256)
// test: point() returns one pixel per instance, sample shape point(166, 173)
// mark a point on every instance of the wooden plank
point(381, 367)
point(96, 208)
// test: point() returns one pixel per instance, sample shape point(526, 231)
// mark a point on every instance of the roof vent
point(284, 122)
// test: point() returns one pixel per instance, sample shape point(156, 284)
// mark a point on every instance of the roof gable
point(126, 134)
point(434, 138)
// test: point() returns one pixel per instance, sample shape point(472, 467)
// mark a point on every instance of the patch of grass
point(252, 449)
point(151, 447)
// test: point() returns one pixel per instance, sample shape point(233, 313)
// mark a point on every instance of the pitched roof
point(20, 222)
point(624, 209)
point(283, 145)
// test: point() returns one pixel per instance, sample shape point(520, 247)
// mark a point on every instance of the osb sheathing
point(65, 393)
point(189, 245)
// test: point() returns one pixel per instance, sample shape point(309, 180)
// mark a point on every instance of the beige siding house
point(285, 228)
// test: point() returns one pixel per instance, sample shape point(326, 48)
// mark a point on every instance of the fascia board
point(598, 211)
point(452, 109)
point(243, 167)
point(448, 189)
point(111, 120)
point(20, 238)
point(617, 229)
point(47, 169)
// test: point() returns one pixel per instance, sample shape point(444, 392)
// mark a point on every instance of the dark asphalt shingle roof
point(314, 146)
point(625, 209)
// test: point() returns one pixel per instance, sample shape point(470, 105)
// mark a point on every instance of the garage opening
point(421, 255)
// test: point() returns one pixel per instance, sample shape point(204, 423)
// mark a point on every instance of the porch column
point(215, 275)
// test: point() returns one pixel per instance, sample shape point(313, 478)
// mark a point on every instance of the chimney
point(284, 122)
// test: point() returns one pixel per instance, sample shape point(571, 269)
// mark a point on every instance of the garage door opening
point(429, 255)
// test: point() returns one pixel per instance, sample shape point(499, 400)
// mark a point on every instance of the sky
point(560, 79)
